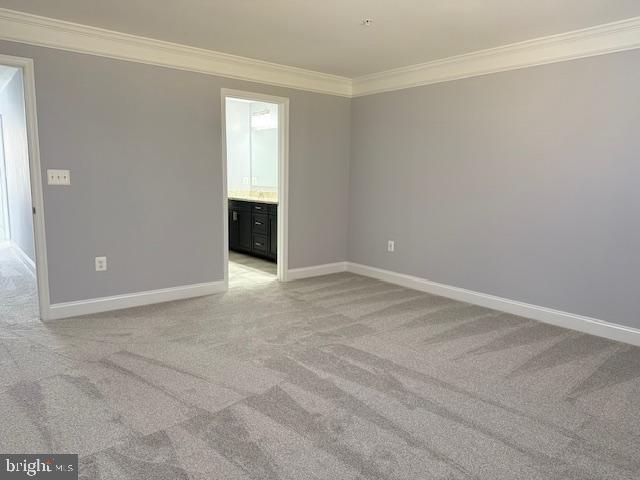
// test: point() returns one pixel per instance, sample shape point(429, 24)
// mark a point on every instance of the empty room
point(319, 240)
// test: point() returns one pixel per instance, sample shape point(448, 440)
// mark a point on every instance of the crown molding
point(588, 42)
point(47, 32)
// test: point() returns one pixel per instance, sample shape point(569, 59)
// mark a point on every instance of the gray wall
point(143, 146)
point(4, 212)
point(17, 164)
point(521, 184)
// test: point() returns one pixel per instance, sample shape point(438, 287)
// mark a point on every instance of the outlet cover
point(101, 264)
point(391, 246)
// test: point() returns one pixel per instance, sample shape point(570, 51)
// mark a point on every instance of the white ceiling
point(326, 35)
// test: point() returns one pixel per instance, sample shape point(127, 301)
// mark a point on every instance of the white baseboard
point(316, 270)
point(559, 318)
point(118, 302)
point(24, 258)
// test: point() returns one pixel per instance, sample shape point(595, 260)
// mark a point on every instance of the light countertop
point(254, 199)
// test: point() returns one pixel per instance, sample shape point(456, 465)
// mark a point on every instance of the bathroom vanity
point(253, 228)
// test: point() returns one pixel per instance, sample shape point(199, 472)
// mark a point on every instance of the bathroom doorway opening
point(255, 194)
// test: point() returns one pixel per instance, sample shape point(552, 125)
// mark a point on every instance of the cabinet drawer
point(259, 207)
point(260, 223)
point(260, 244)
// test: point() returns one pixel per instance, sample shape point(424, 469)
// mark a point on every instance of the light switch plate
point(58, 177)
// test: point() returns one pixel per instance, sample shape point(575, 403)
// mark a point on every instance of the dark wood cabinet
point(260, 244)
point(253, 228)
point(244, 225)
point(239, 226)
point(234, 231)
point(273, 234)
point(260, 223)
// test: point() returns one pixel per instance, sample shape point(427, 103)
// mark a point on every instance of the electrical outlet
point(101, 264)
point(58, 177)
point(391, 246)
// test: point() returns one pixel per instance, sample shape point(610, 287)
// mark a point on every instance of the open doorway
point(255, 162)
point(24, 294)
point(18, 286)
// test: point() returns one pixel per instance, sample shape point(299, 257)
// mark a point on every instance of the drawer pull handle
point(258, 223)
point(258, 244)
point(258, 208)
point(235, 216)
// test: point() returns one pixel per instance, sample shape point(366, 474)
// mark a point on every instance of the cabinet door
point(233, 230)
point(273, 236)
point(244, 230)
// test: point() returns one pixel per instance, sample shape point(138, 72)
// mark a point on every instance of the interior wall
point(521, 184)
point(16, 161)
point(238, 144)
point(4, 212)
point(143, 144)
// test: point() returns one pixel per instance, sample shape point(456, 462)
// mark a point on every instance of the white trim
point(4, 188)
point(282, 266)
point(317, 270)
point(23, 257)
point(559, 318)
point(225, 197)
point(587, 42)
point(40, 239)
point(118, 302)
point(283, 177)
point(48, 32)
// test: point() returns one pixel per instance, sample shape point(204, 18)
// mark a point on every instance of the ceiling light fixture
point(367, 22)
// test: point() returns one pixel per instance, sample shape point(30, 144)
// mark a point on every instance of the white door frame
point(29, 84)
point(4, 188)
point(283, 176)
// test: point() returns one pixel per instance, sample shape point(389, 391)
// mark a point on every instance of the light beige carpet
point(338, 377)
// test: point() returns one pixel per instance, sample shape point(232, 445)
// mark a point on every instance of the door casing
point(283, 176)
